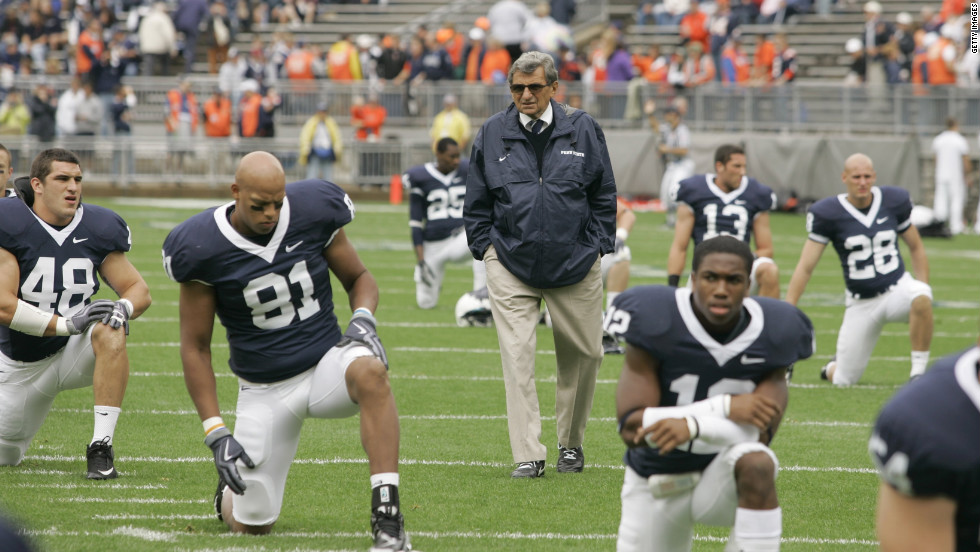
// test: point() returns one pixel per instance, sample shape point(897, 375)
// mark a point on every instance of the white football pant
point(651, 524)
point(437, 254)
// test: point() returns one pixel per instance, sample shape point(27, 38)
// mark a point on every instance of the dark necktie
point(536, 126)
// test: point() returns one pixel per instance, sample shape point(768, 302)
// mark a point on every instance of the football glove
point(226, 450)
point(620, 244)
point(90, 314)
point(119, 317)
point(363, 330)
point(424, 273)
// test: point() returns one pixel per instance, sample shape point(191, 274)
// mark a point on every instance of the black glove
point(620, 244)
point(424, 273)
point(90, 314)
point(226, 450)
point(673, 280)
point(118, 317)
point(363, 330)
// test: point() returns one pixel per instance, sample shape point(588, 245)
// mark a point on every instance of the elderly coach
point(540, 210)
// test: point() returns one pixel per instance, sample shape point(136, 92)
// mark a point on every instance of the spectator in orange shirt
point(367, 118)
point(217, 115)
point(694, 26)
point(496, 62)
point(765, 53)
point(249, 107)
point(90, 47)
point(474, 54)
point(299, 63)
point(452, 41)
point(735, 66)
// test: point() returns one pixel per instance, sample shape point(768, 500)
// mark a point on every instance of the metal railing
point(799, 107)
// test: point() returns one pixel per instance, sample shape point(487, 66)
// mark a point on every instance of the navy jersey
point(435, 201)
point(717, 212)
point(274, 300)
point(57, 266)
point(867, 243)
point(925, 441)
point(694, 366)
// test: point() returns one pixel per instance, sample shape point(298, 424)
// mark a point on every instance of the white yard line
point(356, 461)
point(170, 536)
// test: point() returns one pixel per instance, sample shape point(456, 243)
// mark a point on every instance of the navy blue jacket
point(548, 228)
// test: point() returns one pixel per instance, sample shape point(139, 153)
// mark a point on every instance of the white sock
point(105, 422)
point(390, 478)
point(919, 361)
point(610, 296)
point(756, 530)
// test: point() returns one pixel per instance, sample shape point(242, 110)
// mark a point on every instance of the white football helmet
point(922, 216)
point(473, 309)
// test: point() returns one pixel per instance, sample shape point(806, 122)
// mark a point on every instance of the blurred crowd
point(932, 48)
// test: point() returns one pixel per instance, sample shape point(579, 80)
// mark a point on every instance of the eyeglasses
point(534, 88)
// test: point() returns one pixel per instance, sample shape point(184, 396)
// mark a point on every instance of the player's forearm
point(676, 260)
point(364, 293)
point(139, 295)
point(920, 265)
point(200, 382)
point(797, 284)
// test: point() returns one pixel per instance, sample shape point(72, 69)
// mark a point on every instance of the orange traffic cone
point(395, 190)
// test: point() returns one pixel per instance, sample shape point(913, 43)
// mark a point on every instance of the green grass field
point(455, 459)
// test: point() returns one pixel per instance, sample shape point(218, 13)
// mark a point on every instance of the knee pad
point(258, 506)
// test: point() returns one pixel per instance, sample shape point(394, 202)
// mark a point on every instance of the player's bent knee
point(10, 455)
point(368, 376)
point(755, 472)
point(106, 339)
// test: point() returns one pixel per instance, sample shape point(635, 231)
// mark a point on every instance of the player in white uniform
point(701, 394)
point(272, 291)
point(864, 225)
point(952, 156)
point(51, 338)
point(436, 192)
point(675, 149)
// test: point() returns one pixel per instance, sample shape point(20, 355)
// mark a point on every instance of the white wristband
point(212, 423)
point(61, 326)
point(622, 233)
point(364, 312)
point(693, 428)
point(728, 404)
point(128, 305)
point(31, 320)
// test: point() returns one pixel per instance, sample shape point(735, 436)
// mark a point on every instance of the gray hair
point(529, 63)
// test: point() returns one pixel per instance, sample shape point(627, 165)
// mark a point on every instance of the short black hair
point(41, 167)
point(724, 153)
point(723, 244)
point(444, 143)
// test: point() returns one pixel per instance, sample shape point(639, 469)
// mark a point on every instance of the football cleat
point(388, 528)
point(610, 345)
point(824, 372)
point(99, 455)
point(528, 470)
point(570, 460)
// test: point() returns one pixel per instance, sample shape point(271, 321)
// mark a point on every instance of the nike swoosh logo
point(360, 328)
point(106, 472)
point(739, 202)
point(77, 240)
point(746, 359)
point(227, 458)
point(102, 413)
point(881, 220)
point(289, 248)
point(502, 158)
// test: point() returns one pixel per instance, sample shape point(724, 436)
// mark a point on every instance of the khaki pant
point(576, 316)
